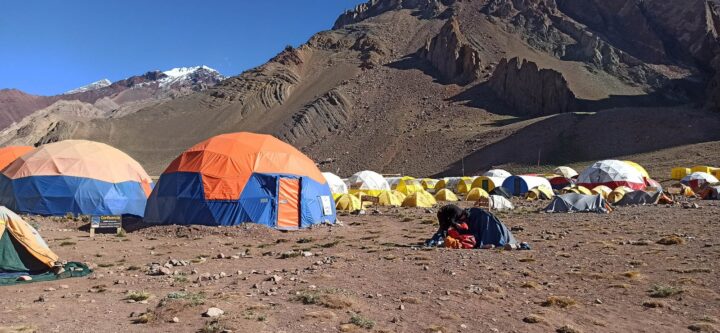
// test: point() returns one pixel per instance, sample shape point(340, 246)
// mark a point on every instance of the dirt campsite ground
point(638, 269)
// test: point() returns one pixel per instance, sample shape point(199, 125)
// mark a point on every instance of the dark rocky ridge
point(530, 90)
point(450, 53)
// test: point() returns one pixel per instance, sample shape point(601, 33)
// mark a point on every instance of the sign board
point(105, 222)
point(326, 204)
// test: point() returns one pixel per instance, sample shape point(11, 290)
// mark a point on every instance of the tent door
point(486, 185)
point(288, 203)
point(517, 190)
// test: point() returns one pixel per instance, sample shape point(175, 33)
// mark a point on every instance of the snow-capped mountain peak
point(92, 86)
point(183, 73)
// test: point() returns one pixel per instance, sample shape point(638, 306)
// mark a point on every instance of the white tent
point(565, 171)
point(697, 180)
point(498, 202)
point(611, 173)
point(336, 184)
point(703, 176)
point(369, 182)
point(499, 173)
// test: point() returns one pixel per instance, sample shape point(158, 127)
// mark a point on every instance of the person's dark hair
point(449, 215)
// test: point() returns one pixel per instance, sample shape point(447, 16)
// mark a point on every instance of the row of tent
point(245, 177)
point(610, 173)
point(228, 179)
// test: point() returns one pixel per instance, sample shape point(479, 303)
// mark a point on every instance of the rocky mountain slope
point(429, 87)
point(112, 97)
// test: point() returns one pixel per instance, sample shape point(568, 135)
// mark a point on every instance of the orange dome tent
point(75, 176)
point(236, 178)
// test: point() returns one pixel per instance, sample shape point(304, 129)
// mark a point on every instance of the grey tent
point(574, 202)
point(501, 191)
point(639, 198)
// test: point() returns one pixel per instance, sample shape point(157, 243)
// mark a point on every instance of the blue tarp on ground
point(59, 195)
point(178, 198)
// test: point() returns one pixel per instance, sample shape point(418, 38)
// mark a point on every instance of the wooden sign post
point(105, 222)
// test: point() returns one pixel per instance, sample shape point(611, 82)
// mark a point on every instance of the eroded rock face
point(321, 117)
point(530, 90)
point(451, 54)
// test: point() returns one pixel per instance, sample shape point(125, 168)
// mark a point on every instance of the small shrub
point(654, 304)
point(121, 233)
point(181, 278)
point(632, 275)
point(559, 301)
point(193, 299)
point(329, 245)
point(567, 329)
point(305, 240)
point(138, 296)
point(133, 268)
point(290, 254)
point(106, 265)
point(361, 321)
point(671, 240)
point(664, 291)
point(530, 285)
point(308, 298)
point(212, 326)
point(702, 327)
point(144, 318)
point(66, 243)
point(533, 319)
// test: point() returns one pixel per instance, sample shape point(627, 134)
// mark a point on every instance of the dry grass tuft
point(559, 301)
point(533, 319)
point(671, 240)
point(654, 304)
point(531, 285)
point(659, 291)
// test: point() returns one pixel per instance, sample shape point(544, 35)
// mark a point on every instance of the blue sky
point(51, 46)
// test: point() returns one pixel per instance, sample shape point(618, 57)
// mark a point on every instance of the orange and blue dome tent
point(11, 153)
point(75, 176)
point(239, 178)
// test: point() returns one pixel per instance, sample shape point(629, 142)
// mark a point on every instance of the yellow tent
point(399, 195)
point(464, 185)
point(680, 173)
point(475, 194)
point(348, 203)
point(639, 168)
point(576, 189)
point(388, 199)
point(540, 193)
point(584, 190)
point(702, 168)
point(487, 183)
point(419, 199)
point(602, 190)
point(617, 194)
point(428, 183)
point(445, 195)
point(408, 185)
point(565, 171)
point(22, 247)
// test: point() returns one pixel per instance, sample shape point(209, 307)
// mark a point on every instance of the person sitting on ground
point(456, 224)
